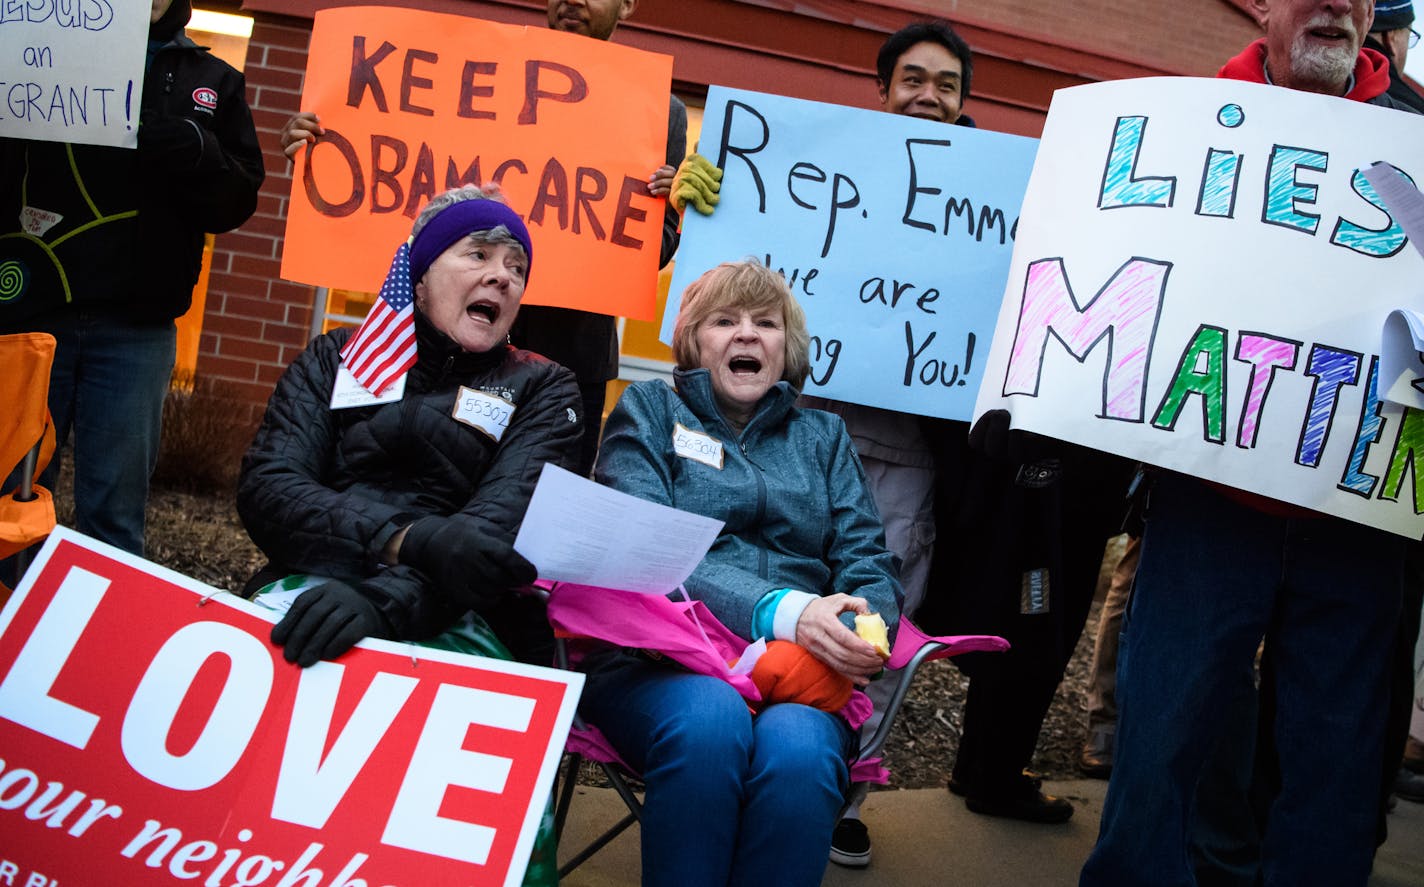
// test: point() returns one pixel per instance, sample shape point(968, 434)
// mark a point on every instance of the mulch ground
point(200, 536)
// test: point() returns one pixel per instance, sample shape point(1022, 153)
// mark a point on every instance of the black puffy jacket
point(322, 490)
point(131, 225)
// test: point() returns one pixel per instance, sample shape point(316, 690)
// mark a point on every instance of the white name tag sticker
point(37, 221)
point(697, 446)
point(483, 411)
point(348, 393)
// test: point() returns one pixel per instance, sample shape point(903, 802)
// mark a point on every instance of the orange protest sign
point(417, 102)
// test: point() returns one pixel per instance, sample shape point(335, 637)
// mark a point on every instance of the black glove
point(992, 436)
point(464, 562)
point(173, 142)
point(326, 621)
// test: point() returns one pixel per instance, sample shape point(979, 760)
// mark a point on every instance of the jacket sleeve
point(406, 597)
point(636, 458)
point(219, 191)
point(860, 563)
point(545, 428)
point(282, 494)
point(676, 151)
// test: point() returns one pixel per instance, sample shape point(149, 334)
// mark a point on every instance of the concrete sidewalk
point(926, 837)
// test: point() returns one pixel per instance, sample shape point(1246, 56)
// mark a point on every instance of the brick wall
point(256, 323)
point(1193, 37)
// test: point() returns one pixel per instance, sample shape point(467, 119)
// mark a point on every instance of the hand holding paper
point(578, 531)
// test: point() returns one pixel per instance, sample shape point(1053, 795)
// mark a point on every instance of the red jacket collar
point(1371, 70)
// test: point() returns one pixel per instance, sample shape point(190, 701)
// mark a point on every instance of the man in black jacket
point(104, 246)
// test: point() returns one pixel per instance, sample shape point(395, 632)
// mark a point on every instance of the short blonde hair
point(748, 285)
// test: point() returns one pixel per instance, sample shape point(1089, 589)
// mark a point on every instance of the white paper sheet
point(1401, 198)
point(578, 531)
point(1402, 359)
point(1402, 351)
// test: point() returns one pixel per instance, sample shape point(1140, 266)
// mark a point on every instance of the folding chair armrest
point(912, 649)
point(872, 745)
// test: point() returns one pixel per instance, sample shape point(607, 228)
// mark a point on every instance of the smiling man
point(1221, 570)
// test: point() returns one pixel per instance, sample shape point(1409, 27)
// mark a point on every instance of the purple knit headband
point(459, 220)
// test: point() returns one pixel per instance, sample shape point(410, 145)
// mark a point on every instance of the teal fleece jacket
point(790, 491)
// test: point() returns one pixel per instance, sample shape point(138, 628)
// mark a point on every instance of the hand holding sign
point(402, 104)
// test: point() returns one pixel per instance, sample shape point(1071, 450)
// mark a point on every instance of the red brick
point(291, 337)
point(266, 226)
point(269, 374)
point(292, 352)
point(299, 315)
point(291, 292)
point(227, 325)
point(277, 57)
point(271, 204)
point(251, 266)
point(267, 119)
point(249, 349)
point(250, 244)
point(269, 34)
point(239, 285)
point(228, 368)
point(265, 309)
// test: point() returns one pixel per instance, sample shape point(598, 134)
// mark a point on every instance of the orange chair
point(26, 443)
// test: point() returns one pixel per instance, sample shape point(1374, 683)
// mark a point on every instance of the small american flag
point(384, 347)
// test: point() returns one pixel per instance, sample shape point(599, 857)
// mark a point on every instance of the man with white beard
point(1221, 569)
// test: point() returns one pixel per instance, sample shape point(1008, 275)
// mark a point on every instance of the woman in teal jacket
point(732, 798)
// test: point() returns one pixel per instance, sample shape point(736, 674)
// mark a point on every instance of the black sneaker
point(850, 844)
point(1022, 799)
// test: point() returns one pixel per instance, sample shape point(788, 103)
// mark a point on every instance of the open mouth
point(487, 310)
point(1332, 32)
point(744, 366)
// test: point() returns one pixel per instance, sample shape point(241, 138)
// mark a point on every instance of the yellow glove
point(697, 182)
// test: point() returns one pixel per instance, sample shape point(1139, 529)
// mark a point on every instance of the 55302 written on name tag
point(697, 446)
point(486, 412)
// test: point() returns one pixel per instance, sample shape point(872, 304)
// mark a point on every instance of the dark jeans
point(731, 799)
point(107, 387)
point(1215, 577)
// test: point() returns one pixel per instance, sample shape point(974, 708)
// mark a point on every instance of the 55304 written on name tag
point(697, 446)
point(486, 412)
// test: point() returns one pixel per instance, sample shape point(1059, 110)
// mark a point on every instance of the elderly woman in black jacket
point(399, 518)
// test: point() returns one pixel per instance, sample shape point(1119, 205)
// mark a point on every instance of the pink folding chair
point(697, 641)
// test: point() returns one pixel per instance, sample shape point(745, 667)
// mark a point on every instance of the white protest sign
point(72, 71)
point(1200, 279)
point(894, 233)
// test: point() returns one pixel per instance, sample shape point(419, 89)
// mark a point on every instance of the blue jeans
point(1215, 578)
point(730, 799)
point(108, 384)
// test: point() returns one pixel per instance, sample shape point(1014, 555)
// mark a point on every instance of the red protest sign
point(149, 738)
point(415, 102)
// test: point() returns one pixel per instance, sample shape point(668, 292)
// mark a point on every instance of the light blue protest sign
point(895, 234)
point(72, 71)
